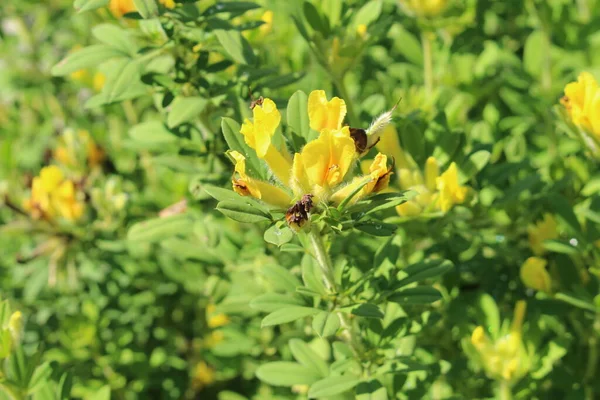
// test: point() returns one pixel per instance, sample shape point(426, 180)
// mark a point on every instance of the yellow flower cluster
point(546, 229)
point(425, 8)
point(435, 192)
point(319, 170)
point(10, 333)
point(582, 102)
point(73, 146)
point(121, 7)
point(52, 196)
point(506, 358)
point(202, 376)
point(214, 319)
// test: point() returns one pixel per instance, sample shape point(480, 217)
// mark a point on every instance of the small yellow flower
point(98, 81)
point(213, 319)
point(202, 376)
point(377, 180)
point(52, 195)
point(543, 230)
point(82, 75)
point(121, 7)
point(15, 324)
point(582, 102)
point(361, 30)
point(390, 144)
point(258, 134)
point(324, 114)
point(425, 8)
point(244, 185)
point(451, 192)
point(323, 163)
point(267, 18)
point(213, 339)
point(534, 275)
point(479, 339)
point(168, 3)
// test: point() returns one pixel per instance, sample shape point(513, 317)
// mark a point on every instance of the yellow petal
point(258, 133)
point(279, 164)
point(409, 209)
point(120, 7)
point(50, 178)
point(432, 171)
point(534, 275)
point(324, 114)
point(389, 143)
point(543, 230)
point(479, 339)
point(377, 180)
point(450, 192)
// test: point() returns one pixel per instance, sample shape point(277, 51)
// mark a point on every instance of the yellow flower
point(451, 192)
point(15, 324)
point(168, 3)
point(534, 275)
point(426, 8)
point(361, 30)
point(244, 185)
point(202, 376)
point(267, 18)
point(98, 81)
point(390, 144)
point(258, 134)
point(479, 339)
point(121, 7)
point(582, 102)
point(377, 180)
point(75, 147)
point(324, 114)
point(323, 163)
point(52, 195)
point(546, 229)
point(213, 339)
point(213, 319)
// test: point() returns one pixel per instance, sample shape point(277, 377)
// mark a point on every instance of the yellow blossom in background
point(534, 275)
point(582, 102)
point(267, 18)
point(323, 113)
point(425, 8)
point(213, 319)
point(543, 230)
point(53, 196)
point(98, 81)
point(213, 339)
point(361, 30)
point(451, 192)
point(121, 7)
point(505, 358)
point(202, 376)
point(77, 149)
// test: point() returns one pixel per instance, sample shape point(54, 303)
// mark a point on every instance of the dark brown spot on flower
point(256, 102)
point(298, 214)
point(359, 136)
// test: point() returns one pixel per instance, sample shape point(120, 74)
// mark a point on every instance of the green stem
point(592, 362)
point(326, 266)
point(504, 392)
point(341, 87)
point(427, 62)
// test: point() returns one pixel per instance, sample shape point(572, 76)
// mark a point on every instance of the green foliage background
point(125, 314)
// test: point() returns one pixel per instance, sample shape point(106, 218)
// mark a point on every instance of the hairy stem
point(324, 261)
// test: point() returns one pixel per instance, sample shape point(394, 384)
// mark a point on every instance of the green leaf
point(366, 310)
point(351, 195)
point(490, 314)
point(88, 5)
point(565, 213)
point(151, 132)
point(381, 202)
point(367, 13)
point(288, 314)
point(146, 8)
point(407, 44)
point(235, 141)
point(91, 56)
point(576, 302)
point(185, 109)
point(372, 390)
point(270, 302)
point(230, 6)
point(236, 46)
point(101, 394)
point(278, 236)
point(416, 295)
point(424, 270)
point(220, 194)
point(157, 229)
point(332, 385)
point(282, 373)
point(376, 228)
point(125, 75)
point(314, 18)
point(557, 246)
point(242, 211)
point(332, 9)
point(534, 53)
point(115, 37)
point(326, 324)
point(297, 116)
point(280, 278)
point(307, 357)
point(41, 374)
point(475, 163)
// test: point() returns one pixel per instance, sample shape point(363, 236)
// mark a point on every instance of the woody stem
point(326, 266)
